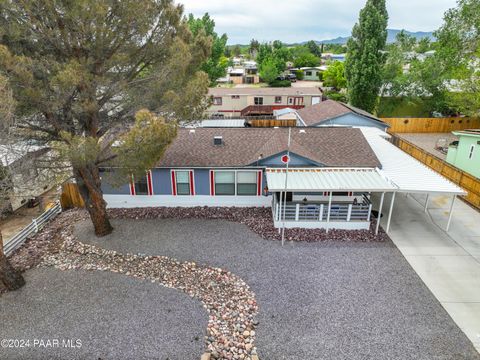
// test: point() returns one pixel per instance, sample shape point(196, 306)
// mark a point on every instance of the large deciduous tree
point(365, 58)
point(216, 64)
point(80, 71)
point(458, 53)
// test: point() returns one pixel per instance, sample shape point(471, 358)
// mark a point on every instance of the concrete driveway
point(448, 263)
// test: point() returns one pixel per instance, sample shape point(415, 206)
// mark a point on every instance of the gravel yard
point(320, 300)
point(327, 300)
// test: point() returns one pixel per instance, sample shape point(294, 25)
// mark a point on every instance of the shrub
point(300, 74)
point(281, 83)
point(333, 95)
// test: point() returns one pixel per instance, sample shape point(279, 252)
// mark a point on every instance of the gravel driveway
point(317, 301)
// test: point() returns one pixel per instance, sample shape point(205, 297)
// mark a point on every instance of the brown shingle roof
point(265, 91)
point(330, 109)
point(334, 147)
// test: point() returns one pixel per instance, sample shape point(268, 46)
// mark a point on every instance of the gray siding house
point(333, 113)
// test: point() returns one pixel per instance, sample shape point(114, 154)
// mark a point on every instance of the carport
point(409, 175)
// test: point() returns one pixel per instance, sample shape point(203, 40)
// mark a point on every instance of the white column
point(329, 210)
point(280, 213)
point(369, 212)
point(390, 212)
point(379, 218)
point(349, 214)
point(451, 212)
point(297, 212)
point(426, 202)
point(321, 213)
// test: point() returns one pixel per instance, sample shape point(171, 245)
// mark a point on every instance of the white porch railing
point(319, 212)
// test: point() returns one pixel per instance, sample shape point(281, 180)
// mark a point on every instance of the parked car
point(292, 77)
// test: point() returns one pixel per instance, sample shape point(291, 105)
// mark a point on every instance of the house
point(334, 113)
point(23, 179)
point(332, 174)
point(465, 153)
point(245, 73)
point(310, 73)
point(285, 114)
point(259, 101)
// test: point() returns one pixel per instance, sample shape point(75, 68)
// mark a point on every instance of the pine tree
point(364, 62)
point(80, 71)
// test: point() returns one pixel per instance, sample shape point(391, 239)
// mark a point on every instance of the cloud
point(301, 20)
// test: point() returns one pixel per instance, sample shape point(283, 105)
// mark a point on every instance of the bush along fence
point(431, 125)
point(35, 226)
point(470, 183)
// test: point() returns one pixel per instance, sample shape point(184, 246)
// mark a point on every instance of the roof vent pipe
point(218, 140)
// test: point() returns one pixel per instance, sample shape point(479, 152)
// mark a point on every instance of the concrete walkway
point(449, 264)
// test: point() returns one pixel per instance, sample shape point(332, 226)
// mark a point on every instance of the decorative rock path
point(228, 299)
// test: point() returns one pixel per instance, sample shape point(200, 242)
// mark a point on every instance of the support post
point(349, 214)
point(320, 218)
point(451, 212)
point(369, 212)
point(390, 212)
point(426, 202)
point(297, 212)
point(280, 213)
point(276, 212)
point(329, 210)
point(379, 218)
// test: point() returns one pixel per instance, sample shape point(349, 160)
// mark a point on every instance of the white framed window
point(182, 179)
point(142, 185)
point(472, 150)
point(247, 183)
point(258, 100)
point(278, 99)
point(217, 101)
point(225, 183)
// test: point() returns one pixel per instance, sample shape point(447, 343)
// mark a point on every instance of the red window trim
point(212, 183)
point(259, 183)
point(150, 183)
point(192, 184)
point(174, 183)
point(132, 186)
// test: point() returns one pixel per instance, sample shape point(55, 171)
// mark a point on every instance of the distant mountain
point(392, 34)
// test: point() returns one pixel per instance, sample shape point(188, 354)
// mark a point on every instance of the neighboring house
point(259, 101)
point(23, 179)
point(285, 114)
point(332, 174)
point(465, 153)
point(245, 73)
point(333, 57)
point(333, 113)
point(310, 73)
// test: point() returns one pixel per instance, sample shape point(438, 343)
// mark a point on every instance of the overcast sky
point(301, 20)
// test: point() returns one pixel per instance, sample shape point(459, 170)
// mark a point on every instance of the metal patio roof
point(329, 179)
point(407, 173)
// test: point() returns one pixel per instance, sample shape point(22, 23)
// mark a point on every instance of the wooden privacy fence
point(431, 125)
point(272, 123)
point(470, 183)
point(71, 197)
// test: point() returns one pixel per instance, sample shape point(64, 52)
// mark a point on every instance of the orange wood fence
point(431, 125)
point(71, 197)
point(272, 123)
point(470, 183)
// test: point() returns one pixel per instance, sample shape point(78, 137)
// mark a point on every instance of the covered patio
point(329, 198)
